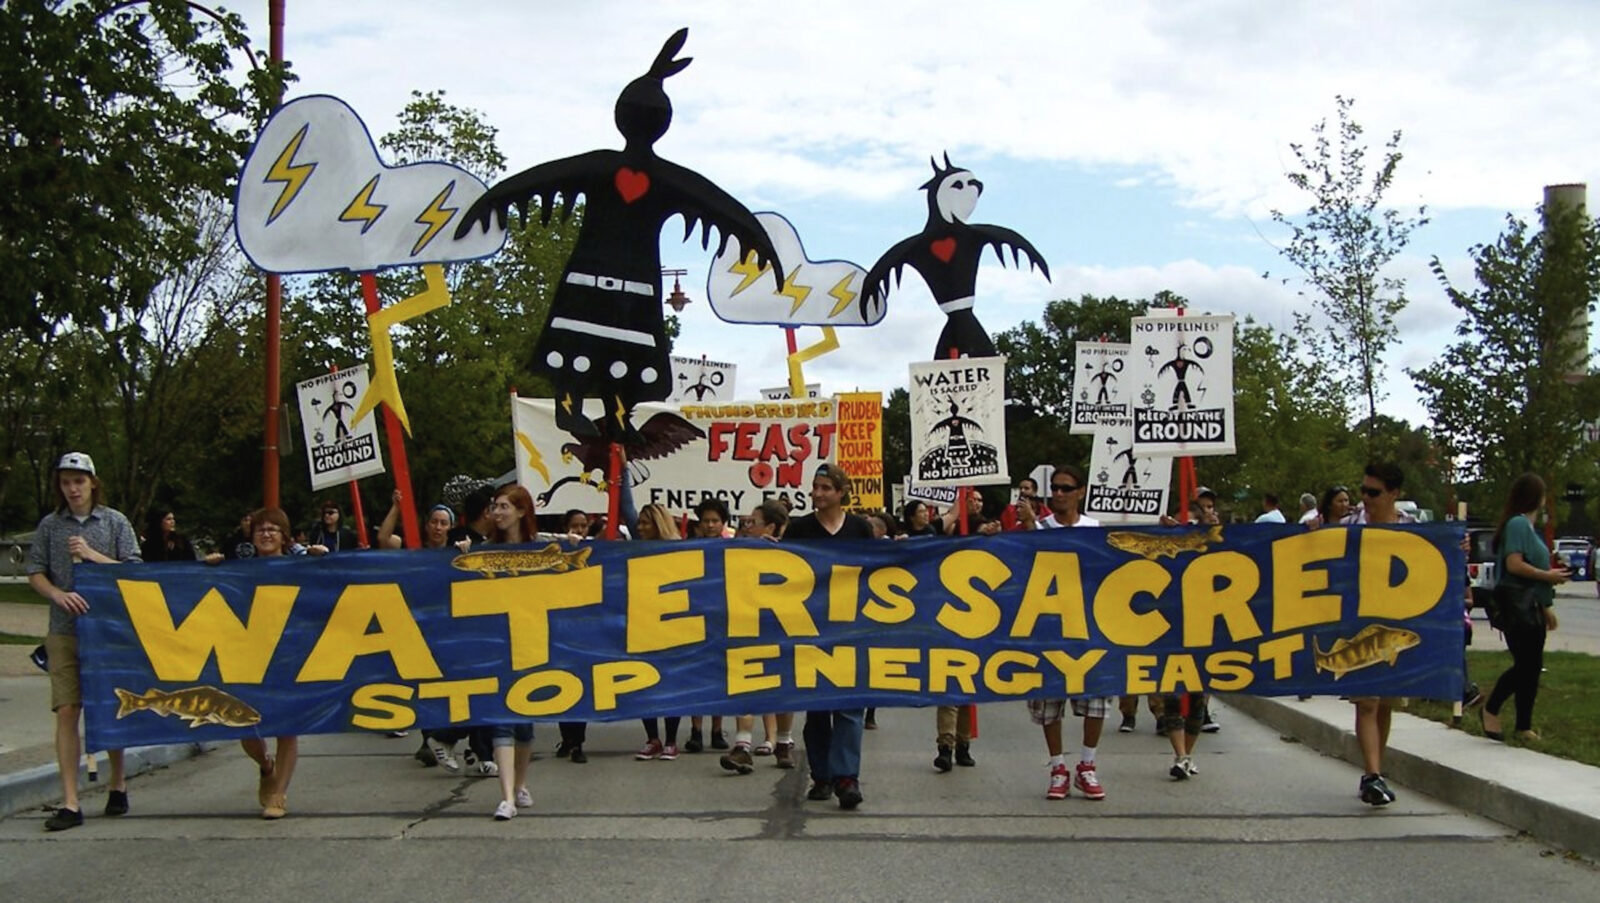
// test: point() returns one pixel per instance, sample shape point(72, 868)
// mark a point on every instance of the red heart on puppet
point(944, 249)
point(632, 184)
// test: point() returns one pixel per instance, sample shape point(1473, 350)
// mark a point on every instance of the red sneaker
point(651, 750)
point(1058, 783)
point(1088, 783)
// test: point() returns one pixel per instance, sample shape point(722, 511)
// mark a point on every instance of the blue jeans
point(833, 744)
point(510, 734)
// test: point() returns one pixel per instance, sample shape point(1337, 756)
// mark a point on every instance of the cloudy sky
point(1139, 147)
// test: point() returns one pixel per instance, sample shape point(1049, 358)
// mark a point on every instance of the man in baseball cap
point(81, 529)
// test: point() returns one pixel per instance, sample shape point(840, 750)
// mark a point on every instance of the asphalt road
point(1266, 819)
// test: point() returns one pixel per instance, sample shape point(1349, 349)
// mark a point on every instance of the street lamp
point(677, 300)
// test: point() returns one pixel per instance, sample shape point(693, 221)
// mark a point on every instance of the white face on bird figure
point(957, 196)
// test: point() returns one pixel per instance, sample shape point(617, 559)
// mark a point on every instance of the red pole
point(357, 512)
point(397, 440)
point(269, 447)
point(614, 495)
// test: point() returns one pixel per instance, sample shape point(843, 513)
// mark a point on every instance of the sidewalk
point(1554, 800)
point(27, 732)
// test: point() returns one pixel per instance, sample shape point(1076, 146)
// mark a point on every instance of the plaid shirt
point(106, 531)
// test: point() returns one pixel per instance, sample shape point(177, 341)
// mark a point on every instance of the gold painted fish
point(1159, 545)
point(196, 705)
point(1373, 644)
point(549, 558)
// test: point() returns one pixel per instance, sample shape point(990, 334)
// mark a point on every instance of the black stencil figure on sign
point(661, 435)
point(1104, 378)
point(605, 337)
point(706, 385)
point(338, 407)
point(946, 253)
point(960, 455)
point(1180, 366)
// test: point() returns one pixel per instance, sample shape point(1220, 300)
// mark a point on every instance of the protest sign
point(958, 422)
point(743, 453)
point(1183, 371)
point(337, 450)
point(1101, 384)
point(699, 379)
point(387, 640)
point(1125, 486)
point(782, 393)
point(860, 443)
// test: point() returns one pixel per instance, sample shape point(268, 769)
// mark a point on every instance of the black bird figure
point(606, 337)
point(947, 252)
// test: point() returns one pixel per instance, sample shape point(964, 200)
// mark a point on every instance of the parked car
point(1578, 555)
point(1480, 564)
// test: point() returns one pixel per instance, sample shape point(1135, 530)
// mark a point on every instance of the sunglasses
point(1064, 487)
point(1372, 492)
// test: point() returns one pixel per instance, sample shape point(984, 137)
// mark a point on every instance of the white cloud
point(836, 106)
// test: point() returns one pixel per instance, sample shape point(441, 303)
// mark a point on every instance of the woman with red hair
point(512, 513)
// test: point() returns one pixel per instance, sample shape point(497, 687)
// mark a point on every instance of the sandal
point(276, 807)
point(764, 748)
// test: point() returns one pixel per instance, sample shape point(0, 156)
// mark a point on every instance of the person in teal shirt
point(1524, 559)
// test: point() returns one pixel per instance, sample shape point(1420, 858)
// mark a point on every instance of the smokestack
point(1558, 199)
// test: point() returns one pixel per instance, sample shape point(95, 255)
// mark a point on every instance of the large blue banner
point(613, 630)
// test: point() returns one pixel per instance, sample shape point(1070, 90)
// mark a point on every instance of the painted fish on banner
point(1183, 374)
point(958, 422)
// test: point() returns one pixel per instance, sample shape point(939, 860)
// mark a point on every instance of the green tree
point(119, 119)
point(1039, 374)
point(1289, 430)
point(1342, 244)
point(125, 125)
point(1500, 398)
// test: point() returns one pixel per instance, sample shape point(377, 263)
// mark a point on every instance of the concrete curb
point(1462, 778)
point(37, 786)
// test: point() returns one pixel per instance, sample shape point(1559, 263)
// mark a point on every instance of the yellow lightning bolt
point(434, 218)
point(384, 386)
point(535, 460)
point(748, 269)
point(843, 293)
point(292, 175)
point(361, 209)
point(797, 378)
point(566, 403)
point(619, 414)
point(798, 292)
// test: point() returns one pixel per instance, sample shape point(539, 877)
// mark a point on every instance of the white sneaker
point(445, 756)
point(1179, 771)
point(504, 811)
point(524, 798)
point(484, 770)
point(1188, 765)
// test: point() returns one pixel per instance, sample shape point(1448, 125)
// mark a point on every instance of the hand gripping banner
point(614, 630)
